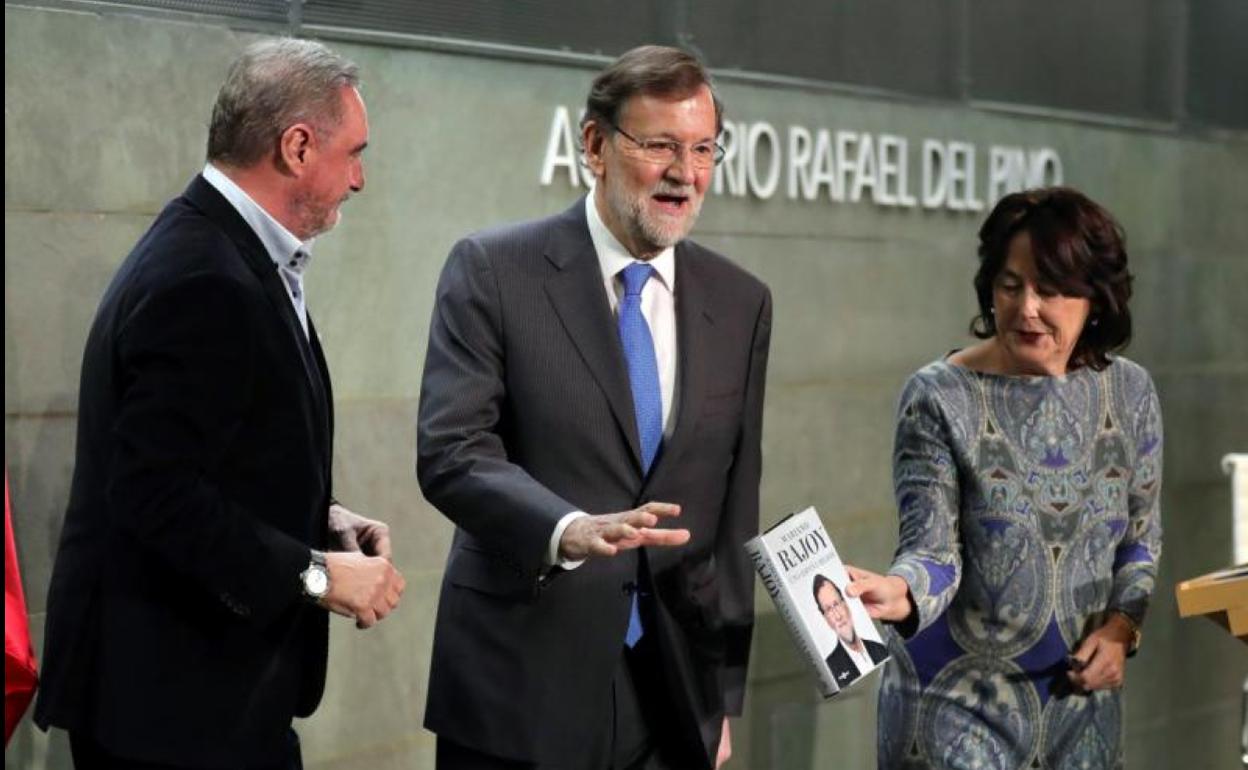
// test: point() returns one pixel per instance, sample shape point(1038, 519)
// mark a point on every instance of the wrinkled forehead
point(686, 112)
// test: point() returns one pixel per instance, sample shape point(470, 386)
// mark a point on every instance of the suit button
point(237, 607)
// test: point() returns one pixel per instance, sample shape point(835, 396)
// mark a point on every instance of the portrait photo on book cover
point(852, 644)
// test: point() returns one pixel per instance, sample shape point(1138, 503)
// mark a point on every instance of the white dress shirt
point(290, 255)
point(658, 300)
point(658, 306)
point(861, 659)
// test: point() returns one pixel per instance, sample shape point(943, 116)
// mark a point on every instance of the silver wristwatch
point(315, 578)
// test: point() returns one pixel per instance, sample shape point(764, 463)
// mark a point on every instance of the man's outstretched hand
point(606, 534)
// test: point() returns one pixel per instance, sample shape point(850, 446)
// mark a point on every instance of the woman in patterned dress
point(1027, 470)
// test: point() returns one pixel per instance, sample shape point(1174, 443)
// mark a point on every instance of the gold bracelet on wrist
point(1134, 628)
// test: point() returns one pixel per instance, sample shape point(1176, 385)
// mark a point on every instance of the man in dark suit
point(186, 618)
point(591, 377)
point(852, 654)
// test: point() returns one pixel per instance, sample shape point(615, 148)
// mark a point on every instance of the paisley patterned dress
point(1029, 507)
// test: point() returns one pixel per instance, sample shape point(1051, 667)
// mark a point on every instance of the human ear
point(296, 146)
point(593, 140)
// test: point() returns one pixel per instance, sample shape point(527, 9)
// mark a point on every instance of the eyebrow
point(668, 136)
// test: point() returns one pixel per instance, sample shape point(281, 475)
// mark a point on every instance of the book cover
point(804, 575)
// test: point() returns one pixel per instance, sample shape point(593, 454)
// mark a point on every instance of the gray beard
point(313, 219)
point(642, 228)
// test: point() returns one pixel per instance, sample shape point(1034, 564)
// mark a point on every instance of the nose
point(1031, 302)
point(681, 169)
point(357, 178)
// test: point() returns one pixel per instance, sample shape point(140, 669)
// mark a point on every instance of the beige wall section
point(105, 120)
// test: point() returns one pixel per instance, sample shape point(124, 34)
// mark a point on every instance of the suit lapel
point(576, 290)
point(206, 197)
point(325, 390)
point(694, 327)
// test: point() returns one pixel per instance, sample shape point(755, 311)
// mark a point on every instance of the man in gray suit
point(590, 420)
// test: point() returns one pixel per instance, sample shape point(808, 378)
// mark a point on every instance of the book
point(803, 574)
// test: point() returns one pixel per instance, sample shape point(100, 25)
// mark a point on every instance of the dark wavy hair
point(1079, 250)
point(649, 69)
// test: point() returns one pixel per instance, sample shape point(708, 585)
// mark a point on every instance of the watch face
point(316, 582)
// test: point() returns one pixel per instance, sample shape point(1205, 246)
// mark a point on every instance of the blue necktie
point(643, 378)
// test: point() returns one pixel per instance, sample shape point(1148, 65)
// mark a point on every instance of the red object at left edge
point(19, 658)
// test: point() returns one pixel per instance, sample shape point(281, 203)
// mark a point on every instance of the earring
point(1095, 321)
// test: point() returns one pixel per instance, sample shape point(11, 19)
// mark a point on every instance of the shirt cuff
point(552, 551)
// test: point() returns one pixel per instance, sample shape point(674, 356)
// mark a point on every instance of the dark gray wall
point(1168, 62)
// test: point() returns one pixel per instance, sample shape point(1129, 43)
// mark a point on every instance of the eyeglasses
point(664, 152)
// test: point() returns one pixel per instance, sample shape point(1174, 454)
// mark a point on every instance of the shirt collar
point(613, 257)
point(286, 250)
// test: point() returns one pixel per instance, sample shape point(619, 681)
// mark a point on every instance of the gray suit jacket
point(525, 415)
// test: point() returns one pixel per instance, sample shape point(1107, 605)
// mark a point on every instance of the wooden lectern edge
point(1237, 622)
point(1222, 599)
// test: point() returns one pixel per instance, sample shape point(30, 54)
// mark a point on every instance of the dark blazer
point(176, 631)
point(844, 670)
point(526, 414)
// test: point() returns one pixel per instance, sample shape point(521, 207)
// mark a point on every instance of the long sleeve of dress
point(925, 480)
point(1137, 554)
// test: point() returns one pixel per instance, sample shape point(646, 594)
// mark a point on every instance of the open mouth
point(671, 203)
point(1030, 338)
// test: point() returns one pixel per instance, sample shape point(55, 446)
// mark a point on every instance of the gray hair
point(653, 70)
point(271, 86)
